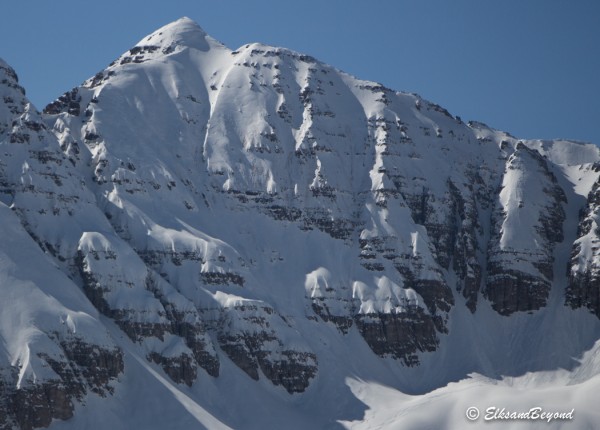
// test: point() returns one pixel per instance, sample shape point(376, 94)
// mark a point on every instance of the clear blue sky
point(530, 67)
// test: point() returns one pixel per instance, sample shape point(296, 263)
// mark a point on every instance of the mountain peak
point(8, 70)
point(257, 231)
point(182, 32)
point(3, 63)
point(10, 80)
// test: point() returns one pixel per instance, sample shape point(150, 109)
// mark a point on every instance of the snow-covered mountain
point(199, 237)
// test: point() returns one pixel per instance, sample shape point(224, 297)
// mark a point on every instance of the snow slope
point(270, 242)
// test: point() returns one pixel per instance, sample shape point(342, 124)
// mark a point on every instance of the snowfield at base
point(272, 243)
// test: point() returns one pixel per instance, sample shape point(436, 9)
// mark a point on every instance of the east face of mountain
point(218, 206)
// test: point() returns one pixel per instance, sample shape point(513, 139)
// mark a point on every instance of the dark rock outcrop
point(583, 289)
point(520, 268)
point(84, 367)
point(400, 335)
point(251, 333)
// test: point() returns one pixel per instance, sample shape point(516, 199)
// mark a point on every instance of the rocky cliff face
point(55, 350)
point(584, 280)
point(221, 207)
point(521, 268)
